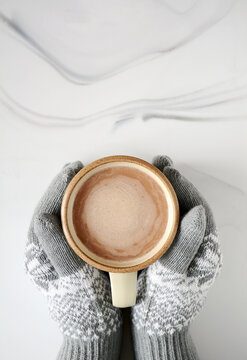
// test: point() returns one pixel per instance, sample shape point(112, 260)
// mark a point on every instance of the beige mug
point(123, 275)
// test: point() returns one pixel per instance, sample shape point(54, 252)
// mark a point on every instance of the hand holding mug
point(172, 291)
point(79, 295)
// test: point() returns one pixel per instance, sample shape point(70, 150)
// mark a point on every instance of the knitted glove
point(79, 296)
point(172, 291)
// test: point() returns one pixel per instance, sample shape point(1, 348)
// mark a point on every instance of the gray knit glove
point(79, 295)
point(172, 291)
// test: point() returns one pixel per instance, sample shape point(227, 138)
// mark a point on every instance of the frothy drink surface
point(120, 213)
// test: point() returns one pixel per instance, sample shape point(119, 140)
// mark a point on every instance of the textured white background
point(211, 153)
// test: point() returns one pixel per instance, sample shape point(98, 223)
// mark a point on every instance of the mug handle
point(123, 289)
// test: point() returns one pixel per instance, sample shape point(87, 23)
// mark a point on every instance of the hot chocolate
point(120, 213)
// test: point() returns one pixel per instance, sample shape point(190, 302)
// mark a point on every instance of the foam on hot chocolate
point(120, 213)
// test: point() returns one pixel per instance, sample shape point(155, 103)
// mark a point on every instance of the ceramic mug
point(123, 275)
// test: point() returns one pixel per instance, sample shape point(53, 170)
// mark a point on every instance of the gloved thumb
point(51, 237)
point(188, 239)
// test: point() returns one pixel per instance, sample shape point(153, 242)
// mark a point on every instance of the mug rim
point(69, 191)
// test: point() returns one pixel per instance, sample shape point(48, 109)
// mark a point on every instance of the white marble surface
point(189, 103)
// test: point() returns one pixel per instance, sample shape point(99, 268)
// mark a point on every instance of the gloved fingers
point(49, 231)
point(189, 197)
point(207, 262)
point(188, 239)
point(161, 161)
point(37, 264)
point(51, 201)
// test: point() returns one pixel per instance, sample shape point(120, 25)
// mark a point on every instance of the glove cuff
point(105, 348)
point(178, 346)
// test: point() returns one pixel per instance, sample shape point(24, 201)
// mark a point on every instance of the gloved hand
point(172, 290)
point(79, 295)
